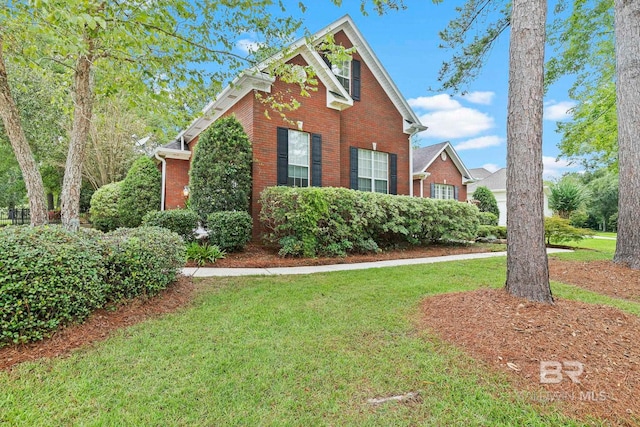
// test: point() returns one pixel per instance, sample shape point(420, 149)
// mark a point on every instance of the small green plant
point(560, 230)
point(204, 254)
point(492, 231)
point(487, 218)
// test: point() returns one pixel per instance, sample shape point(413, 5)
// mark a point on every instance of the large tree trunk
point(527, 264)
point(23, 153)
point(83, 100)
point(627, 32)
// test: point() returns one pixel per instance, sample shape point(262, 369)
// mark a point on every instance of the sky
point(407, 44)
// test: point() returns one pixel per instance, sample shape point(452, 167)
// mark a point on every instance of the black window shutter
point(393, 174)
point(326, 60)
point(355, 80)
point(316, 160)
point(283, 156)
point(455, 192)
point(353, 167)
point(433, 191)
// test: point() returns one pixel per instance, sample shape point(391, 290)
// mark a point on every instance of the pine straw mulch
point(513, 336)
point(261, 256)
point(100, 325)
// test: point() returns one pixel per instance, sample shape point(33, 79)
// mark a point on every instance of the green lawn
point(590, 250)
point(291, 350)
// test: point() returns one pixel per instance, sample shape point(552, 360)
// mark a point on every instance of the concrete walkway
point(227, 272)
point(603, 238)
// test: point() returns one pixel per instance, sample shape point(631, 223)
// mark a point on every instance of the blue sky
point(406, 42)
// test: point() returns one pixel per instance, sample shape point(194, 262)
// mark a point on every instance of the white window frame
point(444, 191)
point(342, 72)
point(291, 180)
point(369, 174)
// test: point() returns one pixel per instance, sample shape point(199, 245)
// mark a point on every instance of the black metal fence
point(19, 216)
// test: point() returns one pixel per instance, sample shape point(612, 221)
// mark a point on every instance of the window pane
point(298, 148)
point(381, 186)
point(365, 165)
point(381, 168)
point(364, 184)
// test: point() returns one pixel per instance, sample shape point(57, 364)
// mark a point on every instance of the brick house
point(353, 132)
point(438, 173)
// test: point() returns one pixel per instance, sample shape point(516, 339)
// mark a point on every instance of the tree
point(584, 45)
point(602, 202)
point(164, 48)
point(627, 24)
point(527, 264)
point(140, 192)
point(220, 176)
point(487, 201)
point(566, 197)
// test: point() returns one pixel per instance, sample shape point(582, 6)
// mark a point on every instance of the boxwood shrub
point(142, 261)
point(337, 221)
point(492, 231)
point(48, 277)
point(229, 230)
point(180, 221)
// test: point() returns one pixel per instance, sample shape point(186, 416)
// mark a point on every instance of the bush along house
point(353, 132)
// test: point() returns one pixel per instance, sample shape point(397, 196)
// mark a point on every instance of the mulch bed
point(259, 256)
point(100, 325)
point(604, 277)
point(514, 336)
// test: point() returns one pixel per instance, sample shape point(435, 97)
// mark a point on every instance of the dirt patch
point(604, 277)
point(515, 336)
point(259, 256)
point(100, 325)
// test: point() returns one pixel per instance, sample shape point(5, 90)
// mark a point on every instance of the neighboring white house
point(497, 183)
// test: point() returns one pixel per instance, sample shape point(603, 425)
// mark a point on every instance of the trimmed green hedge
point(492, 231)
point(229, 230)
point(103, 212)
point(180, 221)
point(336, 221)
point(142, 261)
point(50, 277)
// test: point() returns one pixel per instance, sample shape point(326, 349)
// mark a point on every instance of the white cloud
point(479, 97)
point(554, 168)
point(480, 142)
point(437, 102)
point(248, 46)
point(457, 123)
point(557, 111)
point(491, 167)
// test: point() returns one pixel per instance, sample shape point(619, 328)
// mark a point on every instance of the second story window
point(342, 70)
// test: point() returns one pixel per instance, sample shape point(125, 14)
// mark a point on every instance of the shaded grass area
point(589, 250)
point(303, 350)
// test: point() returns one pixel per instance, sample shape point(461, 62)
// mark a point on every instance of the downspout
point(164, 178)
point(182, 142)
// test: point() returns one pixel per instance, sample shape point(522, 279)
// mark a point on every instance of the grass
point(590, 250)
point(290, 350)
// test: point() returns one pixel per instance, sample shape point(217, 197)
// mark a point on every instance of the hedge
point(229, 230)
point(140, 192)
point(142, 261)
point(180, 221)
point(48, 277)
point(336, 221)
point(492, 231)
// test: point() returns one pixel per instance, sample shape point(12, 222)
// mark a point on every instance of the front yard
point(303, 350)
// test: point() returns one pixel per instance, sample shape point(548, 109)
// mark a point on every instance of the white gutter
point(164, 178)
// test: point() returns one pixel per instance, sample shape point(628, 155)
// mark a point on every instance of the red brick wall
point(373, 119)
point(177, 177)
point(444, 172)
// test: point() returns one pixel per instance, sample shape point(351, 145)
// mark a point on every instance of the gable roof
point(423, 157)
point(337, 97)
point(480, 173)
point(494, 182)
